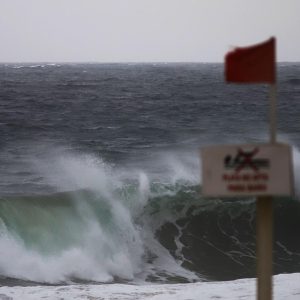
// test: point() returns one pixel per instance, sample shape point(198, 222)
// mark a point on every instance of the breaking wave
point(105, 224)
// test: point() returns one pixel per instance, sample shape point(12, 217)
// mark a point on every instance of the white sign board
point(247, 170)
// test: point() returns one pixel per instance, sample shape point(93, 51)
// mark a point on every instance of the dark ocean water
point(100, 176)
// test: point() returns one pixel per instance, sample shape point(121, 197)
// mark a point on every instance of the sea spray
point(55, 246)
point(85, 234)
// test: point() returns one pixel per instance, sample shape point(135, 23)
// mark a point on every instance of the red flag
point(254, 64)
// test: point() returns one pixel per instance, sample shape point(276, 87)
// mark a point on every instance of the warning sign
point(247, 170)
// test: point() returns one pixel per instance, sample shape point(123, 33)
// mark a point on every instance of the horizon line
point(124, 62)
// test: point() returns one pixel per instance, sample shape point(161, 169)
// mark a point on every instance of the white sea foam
point(98, 257)
point(102, 251)
point(286, 287)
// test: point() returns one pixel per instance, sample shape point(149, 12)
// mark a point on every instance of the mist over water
point(100, 173)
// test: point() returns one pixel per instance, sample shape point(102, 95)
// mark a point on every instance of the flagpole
point(264, 221)
point(273, 114)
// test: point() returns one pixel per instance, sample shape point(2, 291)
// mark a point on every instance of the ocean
point(101, 181)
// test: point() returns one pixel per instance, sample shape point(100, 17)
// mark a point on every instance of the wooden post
point(264, 245)
point(264, 222)
point(272, 114)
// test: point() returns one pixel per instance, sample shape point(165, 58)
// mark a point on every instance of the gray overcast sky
point(144, 30)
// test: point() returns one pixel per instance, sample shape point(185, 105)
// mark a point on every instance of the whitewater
point(285, 287)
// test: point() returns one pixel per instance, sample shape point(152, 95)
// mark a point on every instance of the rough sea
point(100, 176)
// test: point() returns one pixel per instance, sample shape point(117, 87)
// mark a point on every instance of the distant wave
point(34, 66)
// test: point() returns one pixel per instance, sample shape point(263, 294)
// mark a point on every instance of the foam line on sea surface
point(286, 287)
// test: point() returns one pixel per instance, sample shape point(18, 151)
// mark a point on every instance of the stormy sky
point(144, 30)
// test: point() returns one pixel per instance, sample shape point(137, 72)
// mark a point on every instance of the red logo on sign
point(246, 159)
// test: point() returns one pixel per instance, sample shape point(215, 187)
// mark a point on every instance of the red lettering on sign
point(245, 177)
point(257, 187)
point(245, 188)
point(236, 187)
